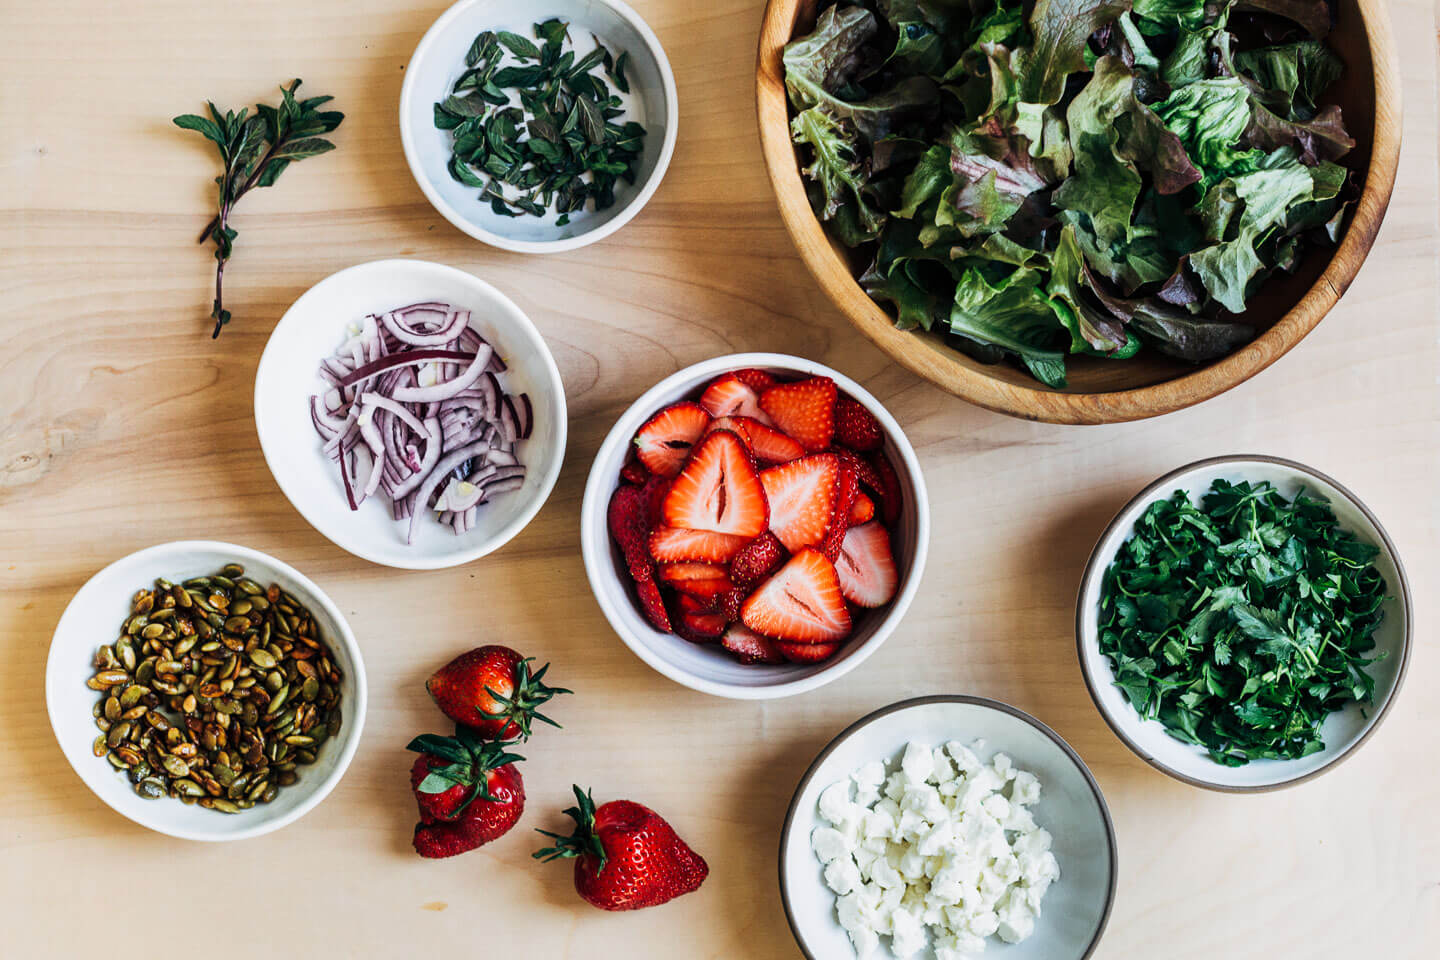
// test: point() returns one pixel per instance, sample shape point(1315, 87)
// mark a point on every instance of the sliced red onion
point(403, 359)
point(415, 391)
point(447, 389)
point(453, 322)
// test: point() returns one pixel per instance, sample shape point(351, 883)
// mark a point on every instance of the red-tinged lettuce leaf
point(1060, 29)
point(1321, 138)
point(973, 154)
point(1109, 131)
point(1313, 15)
point(1092, 329)
point(1166, 326)
point(831, 56)
point(820, 69)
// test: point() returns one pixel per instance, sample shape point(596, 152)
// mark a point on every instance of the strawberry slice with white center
point(801, 603)
point(676, 545)
point(805, 410)
point(866, 567)
point(802, 497)
point(665, 441)
point(729, 396)
point(765, 443)
point(718, 491)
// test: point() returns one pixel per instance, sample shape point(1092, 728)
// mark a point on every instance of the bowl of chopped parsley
point(539, 129)
point(1244, 623)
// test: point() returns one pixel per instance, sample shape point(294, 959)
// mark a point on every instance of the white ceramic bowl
point(707, 667)
point(1076, 907)
point(1343, 731)
point(440, 59)
point(287, 377)
point(94, 617)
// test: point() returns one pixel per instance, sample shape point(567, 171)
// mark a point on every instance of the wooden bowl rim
point(1053, 406)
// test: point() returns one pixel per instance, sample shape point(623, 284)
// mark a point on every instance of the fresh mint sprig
point(254, 150)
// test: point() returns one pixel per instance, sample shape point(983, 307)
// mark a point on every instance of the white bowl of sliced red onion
point(411, 412)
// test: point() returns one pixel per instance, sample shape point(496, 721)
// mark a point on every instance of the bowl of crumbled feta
point(946, 827)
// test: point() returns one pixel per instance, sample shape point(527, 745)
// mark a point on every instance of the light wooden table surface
point(124, 425)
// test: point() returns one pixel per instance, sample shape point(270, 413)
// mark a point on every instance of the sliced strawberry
point(756, 560)
point(684, 603)
point(770, 444)
point(728, 396)
point(652, 605)
point(856, 427)
point(665, 441)
point(866, 567)
point(702, 627)
point(889, 489)
point(801, 603)
point(802, 496)
point(806, 652)
point(634, 471)
point(757, 380)
point(730, 603)
point(674, 545)
point(805, 410)
point(677, 573)
point(749, 647)
point(706, 590)
point(862, 510)
point(718, 490)
point(863, 470)
point(765, 443)
point(847, 488)
point(629, 524)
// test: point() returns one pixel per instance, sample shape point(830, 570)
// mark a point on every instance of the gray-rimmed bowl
point(1343, 731)
point(1076, 908)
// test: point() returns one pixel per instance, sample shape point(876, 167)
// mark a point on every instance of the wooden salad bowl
point(1100, 391)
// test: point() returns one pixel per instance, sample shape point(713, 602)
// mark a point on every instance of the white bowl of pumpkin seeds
point(223, 700)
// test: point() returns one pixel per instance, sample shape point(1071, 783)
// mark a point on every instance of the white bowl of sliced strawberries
point(755, 526)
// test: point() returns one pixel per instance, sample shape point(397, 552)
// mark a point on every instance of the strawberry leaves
point(468, 758)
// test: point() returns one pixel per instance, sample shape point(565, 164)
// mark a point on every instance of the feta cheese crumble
point(943, 842)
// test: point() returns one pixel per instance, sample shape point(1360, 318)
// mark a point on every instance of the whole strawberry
point(627, 856)
point(492, 691)
point(467, 789)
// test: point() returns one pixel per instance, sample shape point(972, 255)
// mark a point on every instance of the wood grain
point(1099, 391)
point(125, 425)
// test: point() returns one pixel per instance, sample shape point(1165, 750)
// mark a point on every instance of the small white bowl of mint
point(539, 129)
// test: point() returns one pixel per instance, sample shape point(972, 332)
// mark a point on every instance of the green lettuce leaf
point(1226, 268)
point(834, 166)
point(1299, 73)
point(1015, 315)
point(1209, 117)
point(1060, 29)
